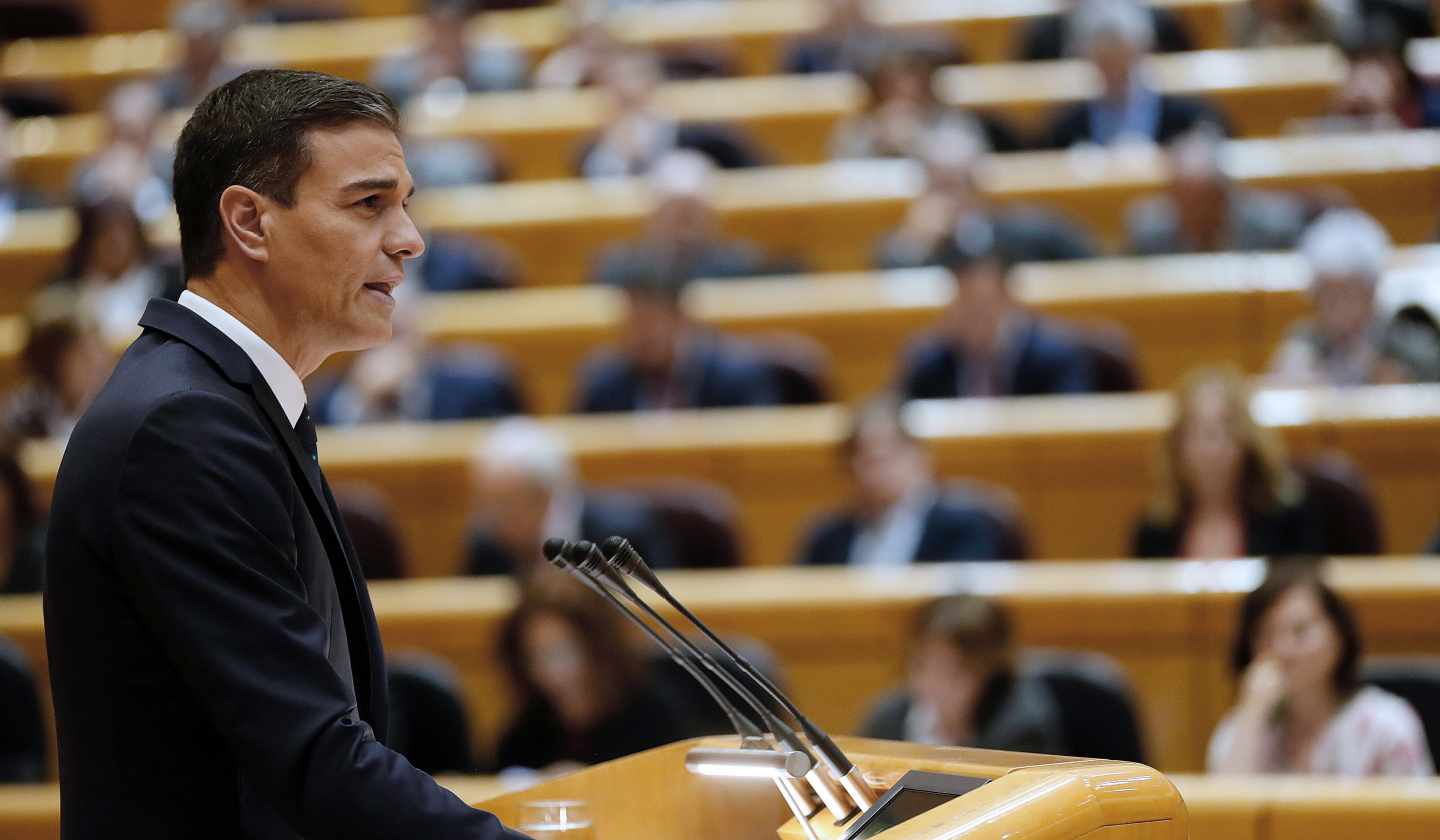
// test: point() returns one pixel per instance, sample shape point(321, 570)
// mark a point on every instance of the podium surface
point(652, 795)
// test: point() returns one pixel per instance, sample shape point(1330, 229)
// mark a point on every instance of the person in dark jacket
point(844, 43)
point(964, 689)
point(899, 515)
point(1224, 488)
point(989, 345)
point(581, 692)
point(950, 153)
point(1115, 36)
point(22, 530)
point(527, 490)
point(667, 362)
point(1049, 37)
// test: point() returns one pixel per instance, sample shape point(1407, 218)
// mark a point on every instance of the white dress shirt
point(284, 382)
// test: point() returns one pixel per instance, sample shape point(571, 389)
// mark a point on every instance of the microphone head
point(623, 558)
point(554, 551)
point(584, 556)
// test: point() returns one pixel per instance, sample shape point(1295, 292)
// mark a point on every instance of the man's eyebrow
point(378, 184)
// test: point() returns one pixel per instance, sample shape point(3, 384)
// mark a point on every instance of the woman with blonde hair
point(1225, 488)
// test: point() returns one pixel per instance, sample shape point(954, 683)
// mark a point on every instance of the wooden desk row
point(539, 134)
point(1081, 467)
point(831, 216)
point(841, 636)
point(755, 32)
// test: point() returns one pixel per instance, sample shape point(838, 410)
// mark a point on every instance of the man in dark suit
point(988, 344)
point(214, 657)
point(899, 515)
point(1115, 36)
point(527, 490)
point(1048, 37)
point(667, 362)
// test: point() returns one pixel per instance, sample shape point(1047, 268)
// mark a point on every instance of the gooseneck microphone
point(586, 558)
point(620, 555)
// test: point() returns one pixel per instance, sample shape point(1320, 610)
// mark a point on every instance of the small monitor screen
point(906, 804)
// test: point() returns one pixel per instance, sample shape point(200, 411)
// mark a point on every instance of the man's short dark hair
point(252, 132)
point(970, 246)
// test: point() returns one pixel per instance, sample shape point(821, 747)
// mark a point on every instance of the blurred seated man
point(843, 43)
point(667, 362)
point(1379, 93)
point(1300, 705)
point(1115, 36)
point(681, 238)
point(902, 108)
point(448, 57)
point(294, 11)
point(1283, 23)
point(65, 363)
point(899, 515)
point(1048, 37)
point(963, 688)
point(205, 26)
point(526, 491)
point(407, 379)
point(1203, 211)
point(988, 344)
point(14, 196)
point(1346, 341)
point(951, 154)
point(588, 46)
point(131, 164)
point(637, 133)
point(455, 262)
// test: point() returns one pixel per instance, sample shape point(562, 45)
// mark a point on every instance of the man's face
point(980, 304)
point(653, 328)
point(336, 255)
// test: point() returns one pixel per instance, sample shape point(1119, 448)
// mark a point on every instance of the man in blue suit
point(666, 361)
point(900, 515)
point(988, 345)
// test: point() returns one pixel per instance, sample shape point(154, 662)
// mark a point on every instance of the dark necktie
point(305, 430)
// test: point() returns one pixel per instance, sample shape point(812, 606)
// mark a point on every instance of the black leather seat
point(1097, 706)
point(428, 721)
point(1417, 680)
point(22, 727)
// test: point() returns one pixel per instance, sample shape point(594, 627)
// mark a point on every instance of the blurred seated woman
point(1301, 707)
point(113, 270)
point(963, 687)
point(1225, 489)
point(580, 691)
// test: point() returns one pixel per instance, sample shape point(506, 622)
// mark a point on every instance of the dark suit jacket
point(619, 264)
point(727, 148)
point(1023, 234)
point(1045, 38)
point(954, 530)
point(1178, 114)
point(1290, 530)
point(1044, 360)
point(715, 373)
point(536, 737)
point(457, 386)
point(602, 515)
point(214, 658)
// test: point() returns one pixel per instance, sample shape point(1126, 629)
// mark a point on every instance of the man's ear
point(242, 212)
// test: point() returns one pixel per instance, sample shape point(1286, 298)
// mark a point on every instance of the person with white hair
point(1047, 37)
point(1115, 36)
point(682, 237)
point(952, 153)
point(526, 490)
point(1344, 342)
point(1205, 211)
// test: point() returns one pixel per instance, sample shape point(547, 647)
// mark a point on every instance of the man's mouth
point(384, 287)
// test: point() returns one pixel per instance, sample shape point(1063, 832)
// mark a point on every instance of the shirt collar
point(281, 378)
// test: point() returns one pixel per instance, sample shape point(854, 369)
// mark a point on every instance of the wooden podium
point(651, 796)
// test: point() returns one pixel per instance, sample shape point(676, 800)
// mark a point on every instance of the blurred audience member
point(964, 689)
point(988, 344)
point(637, 133)
point(899, 515)
point(1204, 211)
point(457, 263)
point(64, 362)
point(1301, 707)
point(1346, 341)
point(1115, 36)
point(954, 204)
point(1279, 23)
point(407, 379)
point(294, 11)
point(682, 238)
point(667, 362)
point(22, 529)
point(447, 58)
point(131, 165)
point(581, 694)
point(588, 47)
point(844, 43)
point(1223, 487)
point(1053, 36)
point(527, 491)
point(1380, 93)
point(205, 25)
point(113, 271)
point(902, 109)
point(14, 196)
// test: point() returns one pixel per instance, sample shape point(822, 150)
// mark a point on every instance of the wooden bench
point(841, 636)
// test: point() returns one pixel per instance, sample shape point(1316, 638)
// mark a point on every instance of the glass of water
point(557, 819)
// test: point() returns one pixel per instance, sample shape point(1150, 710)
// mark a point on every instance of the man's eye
point(371, 202)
